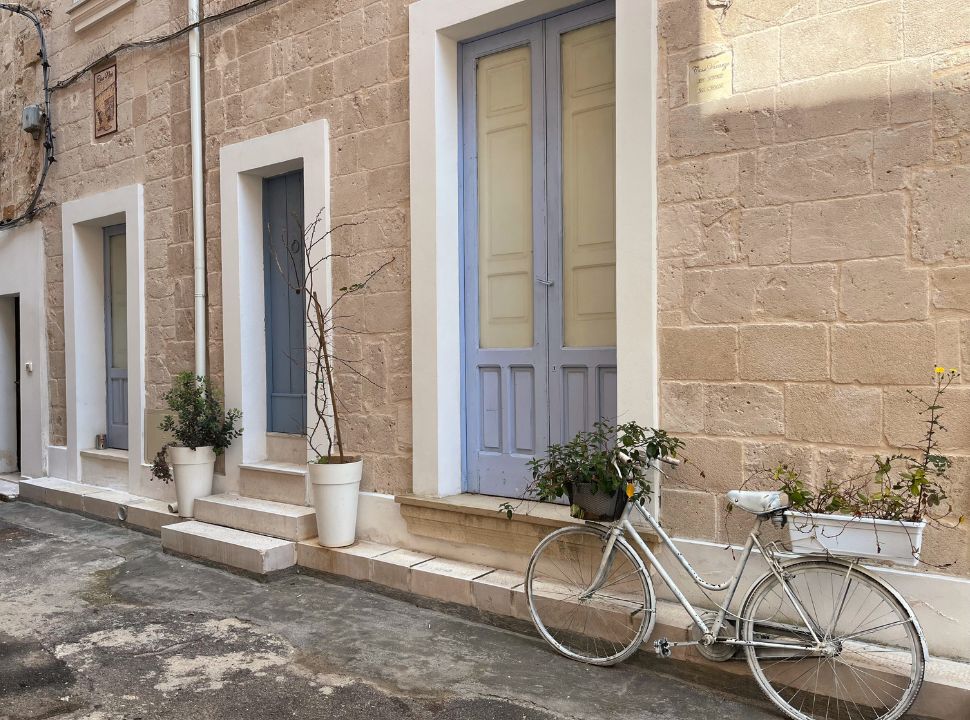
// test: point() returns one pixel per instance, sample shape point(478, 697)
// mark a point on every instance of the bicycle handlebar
point(672, 461)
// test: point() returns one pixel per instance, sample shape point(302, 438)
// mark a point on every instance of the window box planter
point(893, 541)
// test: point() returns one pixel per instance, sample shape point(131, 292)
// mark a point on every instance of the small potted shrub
point(202, 431)
point(584, 469)
point(880, 514)
point(334, 474)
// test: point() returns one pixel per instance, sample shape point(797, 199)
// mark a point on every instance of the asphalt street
point(96, 622)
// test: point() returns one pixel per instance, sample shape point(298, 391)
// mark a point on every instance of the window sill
point(86, 13)
point(108, 454)
point(476, 520)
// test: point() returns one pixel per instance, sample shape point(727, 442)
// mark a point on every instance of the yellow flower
point(629, 490)
point(954, 370)
point(939, 370)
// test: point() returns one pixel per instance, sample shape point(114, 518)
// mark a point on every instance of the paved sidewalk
point(96, 622)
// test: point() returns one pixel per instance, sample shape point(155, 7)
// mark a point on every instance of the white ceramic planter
point(892, 541)
point(193, 470)
point(335, 490)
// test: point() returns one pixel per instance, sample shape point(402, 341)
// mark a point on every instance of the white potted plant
point(202, 431)
point(334, 474)
point(880, 514)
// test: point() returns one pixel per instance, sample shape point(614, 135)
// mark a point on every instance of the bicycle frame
point(624, 526)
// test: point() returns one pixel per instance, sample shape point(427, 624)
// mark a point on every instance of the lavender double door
point(539, 290)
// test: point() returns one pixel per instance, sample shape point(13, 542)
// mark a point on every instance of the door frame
point(436, 27)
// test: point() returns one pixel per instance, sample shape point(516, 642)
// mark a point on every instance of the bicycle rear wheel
point(601, 628)
point(870, 661)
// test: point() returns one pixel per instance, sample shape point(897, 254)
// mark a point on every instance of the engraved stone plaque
point(710, 78)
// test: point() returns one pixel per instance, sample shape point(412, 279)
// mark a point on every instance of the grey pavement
point(97, 622)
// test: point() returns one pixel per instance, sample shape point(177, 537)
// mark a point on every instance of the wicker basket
point(596, 504)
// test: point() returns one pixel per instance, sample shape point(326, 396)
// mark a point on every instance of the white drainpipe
point(198, 187)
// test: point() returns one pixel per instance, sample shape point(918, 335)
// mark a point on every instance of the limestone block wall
point(814, 243)
point(276, 66)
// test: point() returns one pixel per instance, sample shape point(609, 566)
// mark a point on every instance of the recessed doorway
point(10, 429)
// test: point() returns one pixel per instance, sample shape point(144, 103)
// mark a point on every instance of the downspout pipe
point(198, 185)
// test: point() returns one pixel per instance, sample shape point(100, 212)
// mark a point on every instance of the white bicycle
point(825, 638)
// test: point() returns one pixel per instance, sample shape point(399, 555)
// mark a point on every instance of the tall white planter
point(193, 471)
point(335, 490)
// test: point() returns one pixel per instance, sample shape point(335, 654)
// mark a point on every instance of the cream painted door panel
point(582, 221)
point(506, 337)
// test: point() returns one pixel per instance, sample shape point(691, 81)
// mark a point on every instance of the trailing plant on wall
point(198, 420)
point(911, 485)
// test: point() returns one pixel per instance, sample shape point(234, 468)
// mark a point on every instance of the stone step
point(103, 503)
point(276, 481)
point(256, 554)
point(282, 447)
point(266, 517)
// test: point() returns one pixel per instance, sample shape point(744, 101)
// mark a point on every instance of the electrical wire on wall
point(32, 207)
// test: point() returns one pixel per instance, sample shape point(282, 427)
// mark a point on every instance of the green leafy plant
point(593, 457)
point(198, 420)
point(910, 485)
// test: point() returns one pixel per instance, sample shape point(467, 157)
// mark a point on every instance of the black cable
point(32, 209)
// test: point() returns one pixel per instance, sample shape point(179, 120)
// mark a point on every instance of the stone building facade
point(807, 233)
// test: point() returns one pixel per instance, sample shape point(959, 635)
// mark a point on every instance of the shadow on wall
point(814, 238)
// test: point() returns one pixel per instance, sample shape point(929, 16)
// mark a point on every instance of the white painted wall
point(22, 273)
point(242, 168)
point(83, 221)
point(9, 375)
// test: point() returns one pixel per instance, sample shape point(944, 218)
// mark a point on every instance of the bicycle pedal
point(662, 647)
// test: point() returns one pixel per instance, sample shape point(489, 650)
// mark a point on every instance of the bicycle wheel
point(606, 626)
point(871, 656)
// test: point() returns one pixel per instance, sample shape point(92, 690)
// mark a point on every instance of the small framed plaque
point(105, 101)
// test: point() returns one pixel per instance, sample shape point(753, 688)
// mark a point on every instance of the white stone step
point(276, 481)
point(247, 551)
point(139, 512)
point(8, 490)
point(266, 517)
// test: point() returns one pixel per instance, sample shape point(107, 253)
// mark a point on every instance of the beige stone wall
point(276, 66)
point(814, 242)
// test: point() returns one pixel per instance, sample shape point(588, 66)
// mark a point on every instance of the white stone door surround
point(436, 29)
point(242, 168)
point(22, 274)
point(83, 222)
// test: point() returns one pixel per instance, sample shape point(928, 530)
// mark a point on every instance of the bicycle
point(824, 637)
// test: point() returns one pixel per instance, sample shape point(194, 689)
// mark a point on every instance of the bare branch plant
point(312, 252)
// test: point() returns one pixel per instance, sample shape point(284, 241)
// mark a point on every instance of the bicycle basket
point(596, 504)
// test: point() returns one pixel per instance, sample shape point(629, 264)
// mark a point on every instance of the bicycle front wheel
point(602, 627)
point(869, 657)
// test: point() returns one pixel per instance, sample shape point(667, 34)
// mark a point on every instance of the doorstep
point(945, 693)
point(140, 513)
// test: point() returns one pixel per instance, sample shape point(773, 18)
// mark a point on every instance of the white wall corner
point(23, 273)
point(242, 167)
point(83, 221)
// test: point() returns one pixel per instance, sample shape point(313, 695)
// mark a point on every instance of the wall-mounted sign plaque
point(710, 78)
point(105, 101)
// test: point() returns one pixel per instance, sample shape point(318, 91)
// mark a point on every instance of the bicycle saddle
point(757, 501)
